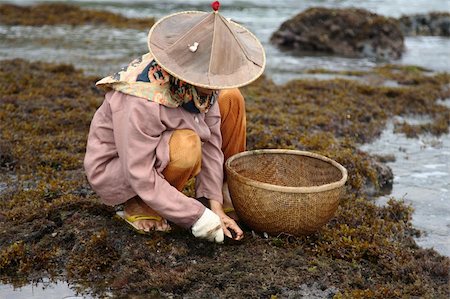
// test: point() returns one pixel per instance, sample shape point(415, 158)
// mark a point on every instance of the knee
point(185, 149)
point(231, 100)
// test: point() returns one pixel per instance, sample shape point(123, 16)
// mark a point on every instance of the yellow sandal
point(131, 219)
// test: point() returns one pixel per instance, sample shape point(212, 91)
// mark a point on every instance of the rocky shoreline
point(52, 224)
point(433, 23)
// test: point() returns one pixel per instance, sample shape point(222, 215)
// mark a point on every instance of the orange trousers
point(185, 145)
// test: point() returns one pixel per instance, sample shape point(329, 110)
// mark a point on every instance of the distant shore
point(66, 14)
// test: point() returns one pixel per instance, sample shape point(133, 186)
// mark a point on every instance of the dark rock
point(347, 32)
point(434, 23)
point(7, 160)
point(385, 178)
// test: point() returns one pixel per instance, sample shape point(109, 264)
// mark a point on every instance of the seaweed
point(53, 225)
point(60, 13)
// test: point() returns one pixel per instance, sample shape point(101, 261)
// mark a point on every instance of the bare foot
point(228, 204)
point(136, 206)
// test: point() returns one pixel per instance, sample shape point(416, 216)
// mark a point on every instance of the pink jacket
point(128, 148)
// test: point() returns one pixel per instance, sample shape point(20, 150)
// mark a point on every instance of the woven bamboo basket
point(284, 191)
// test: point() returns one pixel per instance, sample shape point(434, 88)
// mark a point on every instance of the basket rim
point(272, 187)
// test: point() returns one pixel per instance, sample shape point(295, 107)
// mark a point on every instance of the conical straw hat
point(206, 50)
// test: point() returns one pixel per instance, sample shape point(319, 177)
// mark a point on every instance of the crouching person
point(174, 114)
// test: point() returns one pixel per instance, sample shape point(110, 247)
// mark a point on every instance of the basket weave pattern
point(285, 191)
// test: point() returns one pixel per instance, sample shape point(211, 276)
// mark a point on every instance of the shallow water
point(102, 51)
point(422, 178)
point(40, 291)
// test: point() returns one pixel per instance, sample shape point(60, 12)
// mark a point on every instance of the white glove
point(209, 227)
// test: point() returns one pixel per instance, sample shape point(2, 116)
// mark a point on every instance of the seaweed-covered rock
point(433, 23)
point(384, 178)
point(348, 32)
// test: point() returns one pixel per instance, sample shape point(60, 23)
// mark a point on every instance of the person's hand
point(209, 227)
point(228, 224)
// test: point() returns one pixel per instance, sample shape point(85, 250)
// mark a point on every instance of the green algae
point(12, 258)
point(345, 72)
point(53, 225)
point(59, 13)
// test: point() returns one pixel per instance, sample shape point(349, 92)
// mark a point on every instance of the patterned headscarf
point(144, 78)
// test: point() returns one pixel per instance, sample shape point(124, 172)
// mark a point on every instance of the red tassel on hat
point(215, 5)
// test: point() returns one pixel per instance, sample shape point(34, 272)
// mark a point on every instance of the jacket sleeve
point(137, 131)
point(210, 179)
